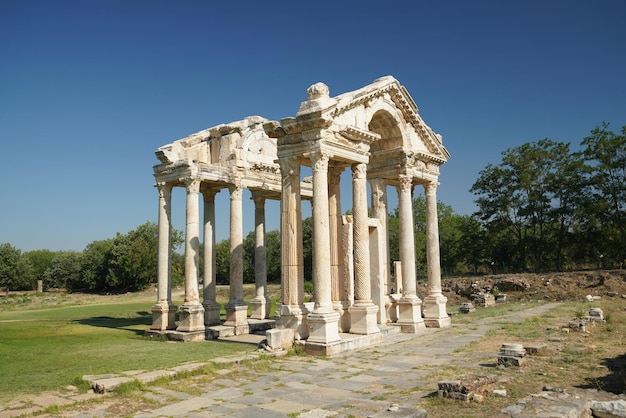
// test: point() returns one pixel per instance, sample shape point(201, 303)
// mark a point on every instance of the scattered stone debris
point(512, 355)
point(484, 299)
point(596, 314)
point(557, 402)
point(466, 307)
point(469, 388)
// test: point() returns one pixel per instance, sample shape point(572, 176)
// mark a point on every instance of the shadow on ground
point(127, 324)
point(614, 382)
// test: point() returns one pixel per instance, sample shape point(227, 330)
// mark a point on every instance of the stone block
point(279, 338)
point(466, 307)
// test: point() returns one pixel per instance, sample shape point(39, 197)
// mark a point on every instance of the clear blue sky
point(89, 89)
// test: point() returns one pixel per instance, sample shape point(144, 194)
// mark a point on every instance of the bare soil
point(549, 287)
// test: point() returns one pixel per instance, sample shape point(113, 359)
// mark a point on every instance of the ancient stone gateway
point(377, 133)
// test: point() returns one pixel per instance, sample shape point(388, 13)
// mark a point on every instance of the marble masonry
point(374, 132)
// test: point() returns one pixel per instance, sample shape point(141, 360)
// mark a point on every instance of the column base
point(294, 317)
point(191, 317)
point(435, 313)
point(212, 313)
point(163, 317)
point(237, 316)
point(260, 308)
point(341, 307)
point(323, 327)
point(363, 319)
point(410, 315)
point(391, 305)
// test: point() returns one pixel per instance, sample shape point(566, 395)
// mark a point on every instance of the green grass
point(45, 349)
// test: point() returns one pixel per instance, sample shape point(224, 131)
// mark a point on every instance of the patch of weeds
point(81, 384)
point(379, 398)
point(52, 409)
point(127, 388)
point(297, 350)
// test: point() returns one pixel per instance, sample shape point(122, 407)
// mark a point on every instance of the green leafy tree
point(605, 155)
point(41, 261)
point(222, 262)
point(16, 271)
point(96, 263)
point(65, 272)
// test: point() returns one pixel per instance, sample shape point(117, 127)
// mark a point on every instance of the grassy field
point(47, 342)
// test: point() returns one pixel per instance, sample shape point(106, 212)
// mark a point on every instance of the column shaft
point(260, 303)
point(164, 311)
point(321, 234)
point(362, 279)
point(407, 237)
point(192, 312)
point(435, 312)
point(209, 294)
point(192, 242)
point(236, 245)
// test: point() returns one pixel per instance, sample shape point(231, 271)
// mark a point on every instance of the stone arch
point(387, 126)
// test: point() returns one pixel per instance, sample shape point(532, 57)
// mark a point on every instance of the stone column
point(164, 311)
point(209, 294)
point(363, 312)
point(236, 308)
point(382, 295)
point(260, 303)
point(337, 278)
point(292, 312)
point(191, 312)
point(323, 321)
point(409, 305)
point(435, 313)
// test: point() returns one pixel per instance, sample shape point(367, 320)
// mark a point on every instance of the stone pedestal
point(342, 307)
point(191, 317)
point(512, 355)
point(212, 313)
point(323, 328)
point(237, 316)
point(363, 319)
point(295, 318)
point(163, 317)
point(410, 315)
point(435, 314)
point(260, 308)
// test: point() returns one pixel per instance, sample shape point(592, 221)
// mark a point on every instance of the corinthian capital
point(165, 189)
point(192, 184)
point(236, 192)
point(430, 188)
point(359, 171)
point(319, 160)
point(406, 183)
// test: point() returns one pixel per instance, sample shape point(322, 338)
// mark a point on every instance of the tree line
point(542, 208)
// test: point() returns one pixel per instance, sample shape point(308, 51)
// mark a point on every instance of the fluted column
point(209, 294)
point(164, 311)
point(236, 309)
point(192, 312)
point(363, 312)
point(435, 312)
point(323, 321)
point(260, 303)
point(410, 305)
point(292, 310)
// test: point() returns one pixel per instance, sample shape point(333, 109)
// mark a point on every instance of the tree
point(605, 155)
point(16, 272)
point(518, 195)
point(96, 263)
point(64, 272)
point(133, 263)
point(41, 261)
